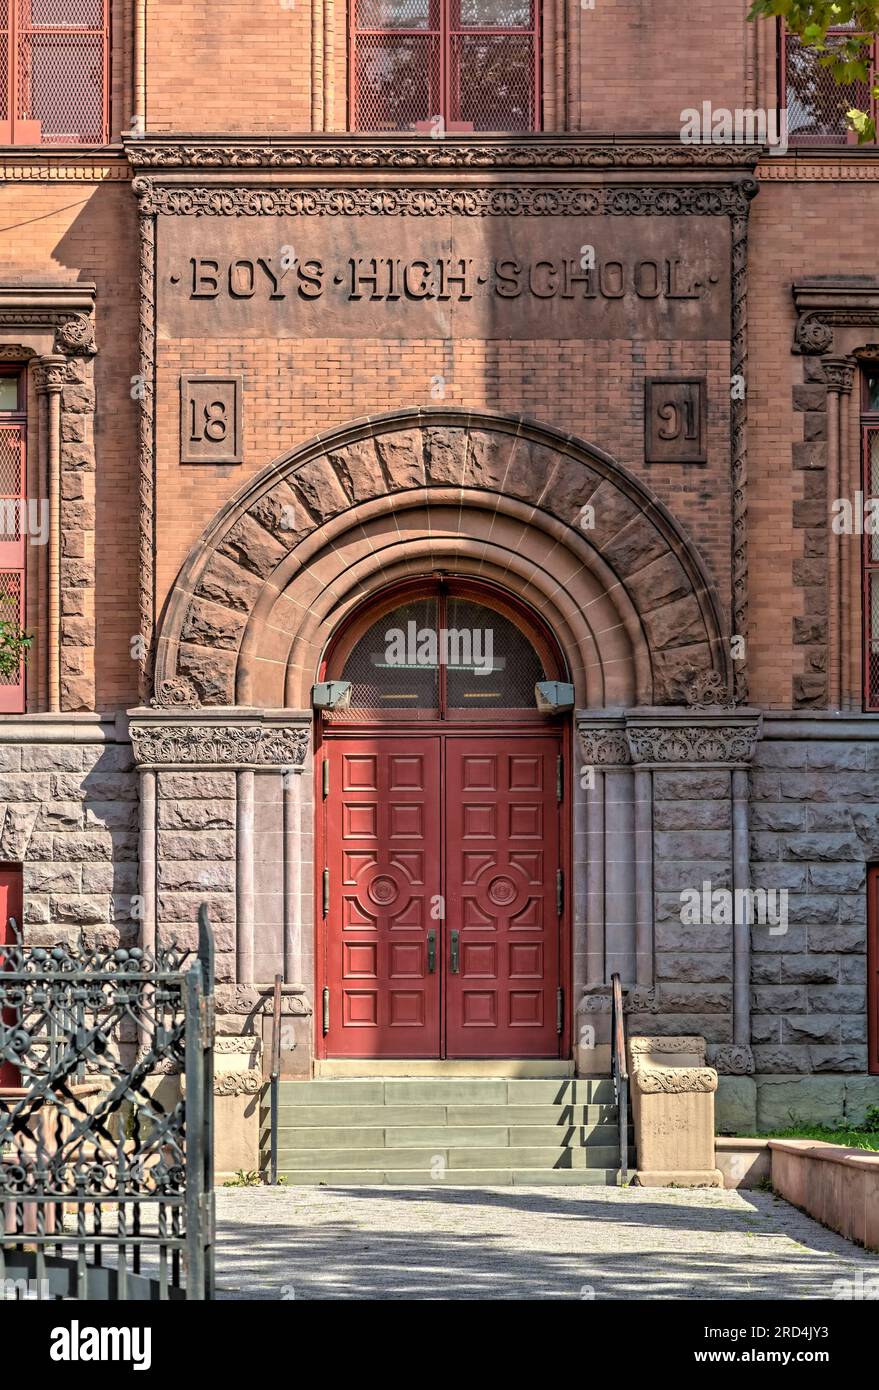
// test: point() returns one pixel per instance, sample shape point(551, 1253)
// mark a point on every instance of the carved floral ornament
point(213, 745)
point(436, 154)
point(691, 742)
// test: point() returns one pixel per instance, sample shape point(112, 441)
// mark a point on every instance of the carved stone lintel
point(224, 745)
point(731, 1059)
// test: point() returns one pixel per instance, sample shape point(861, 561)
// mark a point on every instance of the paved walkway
point(522, 1243)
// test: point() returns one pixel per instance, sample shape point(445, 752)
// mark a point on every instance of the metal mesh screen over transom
point(486, 660)
point(60, 55)
point(816, 103)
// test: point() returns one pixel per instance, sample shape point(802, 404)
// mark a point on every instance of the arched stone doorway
point(553, 525)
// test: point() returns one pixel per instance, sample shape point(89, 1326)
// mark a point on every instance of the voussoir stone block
point(659, 583)
point(281, 513)
point(321, 488)
point(568, 491)
point(359, 468)
point(251, 546)
point(210, 625)
point(402, 458)
point(212, 672)
point(228, 584)
point(445, 452)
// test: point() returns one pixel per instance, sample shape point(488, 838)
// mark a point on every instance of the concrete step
point(461, 1177)
point(444, 1159)
point(302, 1115)
point(452, 1090)
point(379, 1136)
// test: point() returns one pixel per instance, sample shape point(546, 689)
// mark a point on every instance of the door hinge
point(325, 892)
point(325, 775)
point(559, 1010)
point(326, 1010)
point(559, 891)
point(560, 778)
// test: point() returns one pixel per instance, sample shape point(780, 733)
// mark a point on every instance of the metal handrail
point(620, 1074)
point(275, 1083)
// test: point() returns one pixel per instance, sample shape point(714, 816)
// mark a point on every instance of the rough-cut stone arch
point(420, 490)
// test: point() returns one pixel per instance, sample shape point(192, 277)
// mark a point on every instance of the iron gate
point(106, 1152)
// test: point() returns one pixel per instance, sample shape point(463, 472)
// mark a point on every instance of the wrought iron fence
point(106, 1166)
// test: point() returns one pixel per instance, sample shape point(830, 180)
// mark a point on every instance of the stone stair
point(463, 1131)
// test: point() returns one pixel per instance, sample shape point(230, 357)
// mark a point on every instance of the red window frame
point(446, 31)
point(826, 138)
point(873, 969)
point(27, 48)
point(869, 561)
point(11, 905)
point(13, 489)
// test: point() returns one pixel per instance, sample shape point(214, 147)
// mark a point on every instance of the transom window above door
point(447, 652)
point(440, 66)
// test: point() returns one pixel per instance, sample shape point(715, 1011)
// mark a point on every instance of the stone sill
point(823, 1152)
point(62, 728)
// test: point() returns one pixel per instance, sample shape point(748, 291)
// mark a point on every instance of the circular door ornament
point(383, 890)
point(502, 891)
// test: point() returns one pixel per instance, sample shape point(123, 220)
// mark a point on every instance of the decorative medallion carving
point(732, 1059)
point(707, 690)
point(230, 745)
point(238, 1083)
point(178, 692)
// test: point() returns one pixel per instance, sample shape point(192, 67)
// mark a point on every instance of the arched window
point(447, 651)
point(445, 65)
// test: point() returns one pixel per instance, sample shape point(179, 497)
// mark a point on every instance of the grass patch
point(865, 1136)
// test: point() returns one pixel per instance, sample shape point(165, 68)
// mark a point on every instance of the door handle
point(431, 952)
point(454, 954)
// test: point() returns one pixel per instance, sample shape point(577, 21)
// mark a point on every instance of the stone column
point(50, 376)
point(244, 827)
point(839, 375)
point(697, 760)
point(605, 853)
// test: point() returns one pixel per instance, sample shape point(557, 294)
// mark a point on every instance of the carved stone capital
point(604, 747)
point(652, 1074)
point(218, 745)
point(839, 373)
point(50, 375)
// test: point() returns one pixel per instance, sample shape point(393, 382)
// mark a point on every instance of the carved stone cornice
point(826, 306)
point(404, 153)
point(230, 745)
point(727, 740)
point(539, 200)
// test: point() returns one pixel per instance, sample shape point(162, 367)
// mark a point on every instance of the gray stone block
point(772, 754)
point(767, 815)
point(691, 786)
point(692, 844)
point(860, 1093)
point(766, 969)
point(703, 999)
point(735, 1105)
point(807, 909)
point(843, 938)
point(45, 877)
point(838, 1059)
point(766, 847)
point(786, 1101)
point(50, 757)
point(784, 874)
point(832, 817)
point(837, 756)
point(822, 848)
point(836, 999)
point(80, 911)
point(673, 876)
point(196, 815)
point(112, 815)
point(781, 1060)
point(87, 847)
point(195, 878)
point(678, 937)
point(779, 999)
point(793, 940)
point(810, 969)
point(61, 815)
point(822, 1028)
point(840, 878)
point(693, 968)
point(765, 1028)
point(693, 815)
point(853, 909)
point(853, 970)
point(853, 1030)
point(203, 844)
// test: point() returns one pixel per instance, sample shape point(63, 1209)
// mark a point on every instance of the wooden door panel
point(383, 855)
point(502, 856)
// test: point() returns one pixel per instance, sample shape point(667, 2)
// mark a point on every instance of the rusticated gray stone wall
point(814, 829)
point(69, 815)
point(692, 827)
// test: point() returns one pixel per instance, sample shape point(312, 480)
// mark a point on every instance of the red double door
point(442, 897)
